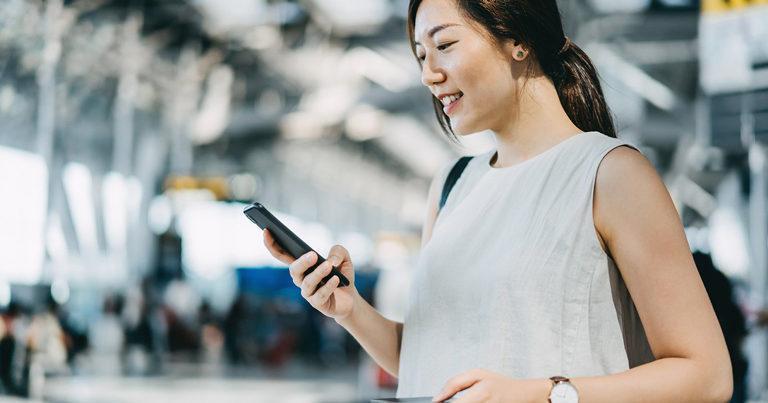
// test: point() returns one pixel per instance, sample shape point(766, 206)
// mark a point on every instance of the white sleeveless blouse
point(514, 279)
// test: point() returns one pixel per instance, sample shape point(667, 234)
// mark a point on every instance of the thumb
point(339, 257)
point(457, 384)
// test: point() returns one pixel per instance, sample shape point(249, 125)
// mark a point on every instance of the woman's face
point(459, 60)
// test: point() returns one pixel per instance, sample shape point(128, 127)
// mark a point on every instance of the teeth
point(449, 99)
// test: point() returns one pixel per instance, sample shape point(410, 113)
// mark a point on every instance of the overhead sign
point(718, 6)
point(732, 43)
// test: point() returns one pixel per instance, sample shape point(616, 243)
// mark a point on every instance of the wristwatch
point(563, 391)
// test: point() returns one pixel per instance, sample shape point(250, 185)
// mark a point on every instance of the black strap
point(452, 178)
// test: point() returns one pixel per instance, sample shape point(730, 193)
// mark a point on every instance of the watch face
point(564, 393)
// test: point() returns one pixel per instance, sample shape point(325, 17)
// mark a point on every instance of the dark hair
point(537, 24)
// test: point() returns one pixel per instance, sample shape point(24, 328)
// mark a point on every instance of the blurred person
point(16, 366)
point(210, 334)
point(7, 347)
point(106, 337)
point(156, 325)
point(139, 341)
point(9, 354)
point(730, 317)
point(180, 309)
point(234, 322)
point(75, 335)
point(532, 281)
point(47, 340)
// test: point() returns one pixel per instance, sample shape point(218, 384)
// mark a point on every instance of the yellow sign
point(217, 185)
point(718, 6)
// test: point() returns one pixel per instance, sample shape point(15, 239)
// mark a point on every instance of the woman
point(525, 277)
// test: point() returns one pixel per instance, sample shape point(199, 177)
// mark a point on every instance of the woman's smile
point(450, 103)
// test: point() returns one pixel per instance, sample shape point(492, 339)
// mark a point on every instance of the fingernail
point(308, 257)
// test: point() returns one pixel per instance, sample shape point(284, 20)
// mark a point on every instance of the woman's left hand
point(484, 386)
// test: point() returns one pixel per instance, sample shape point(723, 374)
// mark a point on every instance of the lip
point(450, 108)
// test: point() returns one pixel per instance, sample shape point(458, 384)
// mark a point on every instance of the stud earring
point(520, 53)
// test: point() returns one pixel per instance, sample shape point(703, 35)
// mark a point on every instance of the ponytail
point(579, 90)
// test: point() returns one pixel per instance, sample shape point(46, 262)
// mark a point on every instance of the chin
point(463, 130)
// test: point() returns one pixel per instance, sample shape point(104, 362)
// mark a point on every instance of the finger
point(300, 266)
point(475, 394)
point(457, 384)
point(325, 292)
point(319, 273)
point(275, 249)
point(338, 255)
point(309, 284)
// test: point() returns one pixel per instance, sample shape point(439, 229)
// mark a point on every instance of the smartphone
point(289, 241)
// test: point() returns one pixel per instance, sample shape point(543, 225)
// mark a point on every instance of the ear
point(516, 50)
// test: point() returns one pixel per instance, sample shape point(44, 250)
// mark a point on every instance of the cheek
point(488, 89)
point(495, 88)
point(487, 97)
point(484, 75)
point(488, 85)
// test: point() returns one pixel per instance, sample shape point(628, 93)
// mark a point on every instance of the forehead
point(432, 13)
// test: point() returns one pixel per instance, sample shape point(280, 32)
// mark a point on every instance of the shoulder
point(623, 159)
point(624, 168)
point(628, 190)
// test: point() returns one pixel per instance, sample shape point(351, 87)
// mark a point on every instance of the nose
point(431, 75)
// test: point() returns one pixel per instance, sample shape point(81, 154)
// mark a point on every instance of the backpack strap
point(452, 178)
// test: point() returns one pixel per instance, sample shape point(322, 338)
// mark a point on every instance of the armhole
point(596, 239)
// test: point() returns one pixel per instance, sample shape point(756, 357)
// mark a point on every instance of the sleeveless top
point(514, 280)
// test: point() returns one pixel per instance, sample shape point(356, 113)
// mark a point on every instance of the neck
point(539, 123)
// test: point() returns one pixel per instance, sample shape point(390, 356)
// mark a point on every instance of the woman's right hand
point(331, 300)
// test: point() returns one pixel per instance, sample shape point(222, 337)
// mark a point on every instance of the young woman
point(526, 274)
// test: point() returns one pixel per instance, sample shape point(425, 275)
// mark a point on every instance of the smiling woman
point(557, 269)
point(559, 284)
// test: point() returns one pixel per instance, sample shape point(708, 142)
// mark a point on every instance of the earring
point(520, 53)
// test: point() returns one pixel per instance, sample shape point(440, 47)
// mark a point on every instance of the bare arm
point(379, 336)
point(636, 219)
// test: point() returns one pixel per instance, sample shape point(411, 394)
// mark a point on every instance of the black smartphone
point(289, 241)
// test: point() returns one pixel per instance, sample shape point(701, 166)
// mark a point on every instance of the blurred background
point(133, 133)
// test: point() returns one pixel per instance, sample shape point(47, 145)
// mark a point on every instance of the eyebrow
point(434, 30)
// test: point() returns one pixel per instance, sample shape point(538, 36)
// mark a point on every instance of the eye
point(445, 46)
point(440, 48)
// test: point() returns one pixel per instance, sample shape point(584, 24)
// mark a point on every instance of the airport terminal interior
point(133, 133)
